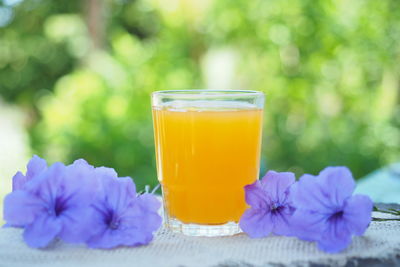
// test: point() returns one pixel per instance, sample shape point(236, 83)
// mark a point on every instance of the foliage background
point(83, 71)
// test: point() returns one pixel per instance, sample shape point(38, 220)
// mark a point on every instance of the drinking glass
point(207, 149)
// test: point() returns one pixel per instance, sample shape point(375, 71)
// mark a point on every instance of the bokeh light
point(83, 71)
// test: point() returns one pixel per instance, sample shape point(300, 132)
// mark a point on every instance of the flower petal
point(144, 215)
point(21, 208)
point(308, 194)
point(281, 221)
point(47, 184)
point(337, 183)
point(42, 231)
point(151, 224)
point(105, 240)
point(336, 237)
point(81, 172)
point(98, 226)
point(149, 202)
point(256, 223)
point(81, 162)
point(140, 227)
point(275, 184)
point(129, 186)
point(134, 228)
point(104, 171)
point(118, 191)
point(357, 213)
point(308, 225)
point(77, 224)
point(255, 196)
point(18, 181)
point(35, 166)
point(115, 238)
point(80, 185)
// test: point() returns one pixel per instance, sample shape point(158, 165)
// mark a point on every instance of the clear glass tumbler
point(208, 146)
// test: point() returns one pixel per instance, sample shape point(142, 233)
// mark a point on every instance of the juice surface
point(205, 157)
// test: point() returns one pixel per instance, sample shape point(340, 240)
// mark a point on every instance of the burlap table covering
point(380, 243)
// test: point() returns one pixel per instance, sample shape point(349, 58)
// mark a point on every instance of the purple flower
point(326, 211)
point(270, 209)
point(35, 166)
point(53, 204)
point(120, 217)
point(79, 204)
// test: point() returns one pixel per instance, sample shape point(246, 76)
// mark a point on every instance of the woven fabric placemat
point(380, 243)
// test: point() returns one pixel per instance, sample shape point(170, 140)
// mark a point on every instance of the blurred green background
point(80, 72)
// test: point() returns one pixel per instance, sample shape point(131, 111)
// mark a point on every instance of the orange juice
point(205, 156)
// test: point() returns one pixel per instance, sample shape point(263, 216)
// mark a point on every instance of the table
point(380, 246)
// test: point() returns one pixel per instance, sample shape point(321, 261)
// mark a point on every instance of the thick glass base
point(230, 228)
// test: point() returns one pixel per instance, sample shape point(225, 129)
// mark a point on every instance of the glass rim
point(208, 93)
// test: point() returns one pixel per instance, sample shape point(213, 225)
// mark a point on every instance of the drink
point(207, 151)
